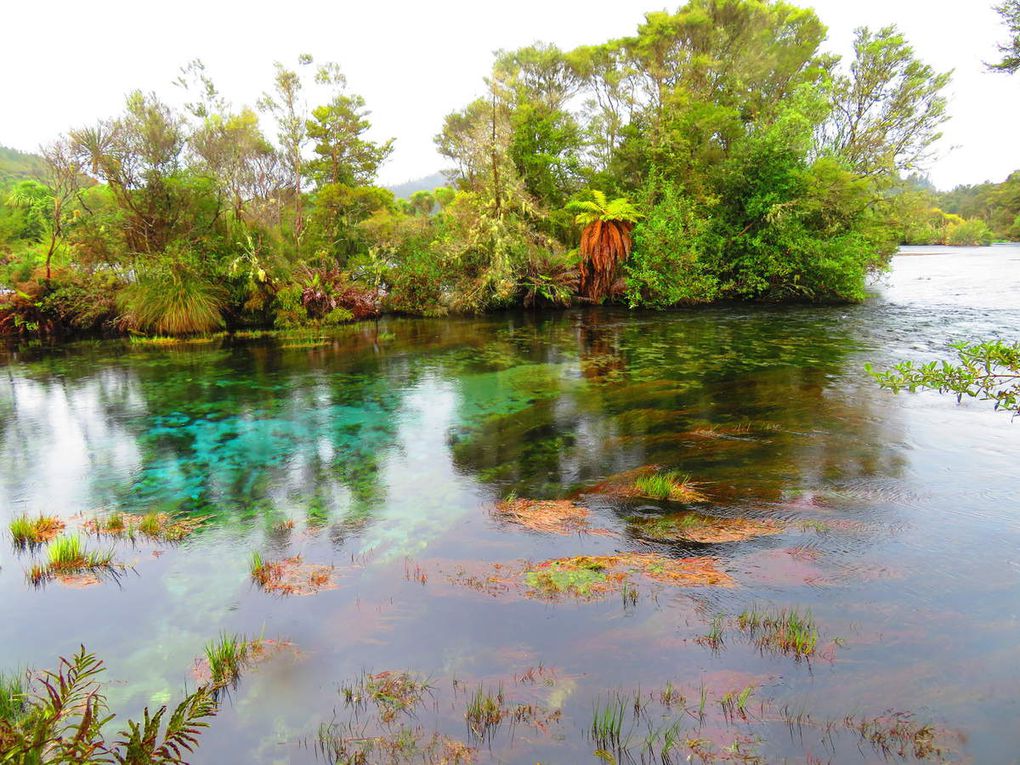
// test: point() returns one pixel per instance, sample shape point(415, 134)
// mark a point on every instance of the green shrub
point(971, 233)
point(173, 297)
point(666, 267)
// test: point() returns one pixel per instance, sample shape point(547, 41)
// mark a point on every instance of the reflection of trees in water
point(673, 379)
point(236, 429)
point(305, 425)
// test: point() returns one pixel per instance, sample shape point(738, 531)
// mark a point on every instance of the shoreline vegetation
point(658, 169)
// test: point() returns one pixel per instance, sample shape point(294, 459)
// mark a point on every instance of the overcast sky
point(69, 63)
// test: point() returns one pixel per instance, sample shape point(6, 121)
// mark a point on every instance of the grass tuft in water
point(227, 656)
point(714, 638)
point(485, 711)
point(669, 485)
point(162, 527)
point(784, 630)
point(28, 531)
point(67, 556)
point(607, 723)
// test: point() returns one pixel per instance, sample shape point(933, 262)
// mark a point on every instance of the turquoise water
point(386, 445)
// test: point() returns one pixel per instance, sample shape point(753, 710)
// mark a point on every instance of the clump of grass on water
point(28, 531)
point(162, 527)
point(714, 638)
point(226, 657)
point(485, 711)
point(784, 630)
point(67, 556)
point(607, 724)
point(262, 572)
point(670, 485)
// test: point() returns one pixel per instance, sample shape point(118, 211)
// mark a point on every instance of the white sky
point(67, 63)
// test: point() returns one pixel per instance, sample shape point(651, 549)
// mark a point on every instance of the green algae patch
point(703, 529)
point(589, 577)
point(582, 577)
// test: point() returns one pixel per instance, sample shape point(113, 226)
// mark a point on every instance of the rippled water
point(387, 445)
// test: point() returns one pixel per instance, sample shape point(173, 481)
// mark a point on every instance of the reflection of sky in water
point(387, 442)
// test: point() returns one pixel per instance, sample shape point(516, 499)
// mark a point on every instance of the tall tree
point(285, 104)
point(1009, 10)
point(887, 110)
point(342, 154)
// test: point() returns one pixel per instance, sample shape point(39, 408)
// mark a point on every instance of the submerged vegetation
point(290, 576)
point(161, 527)
point(714, 153)
point(704, 529)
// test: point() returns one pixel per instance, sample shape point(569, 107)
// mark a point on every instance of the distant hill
point(429, 182)
point(18, 165)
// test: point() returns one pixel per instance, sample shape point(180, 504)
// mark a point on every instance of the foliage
point(667, 267)
point(226, 657)
point(605, 241)
point(63, 721)
point(714, 153)
point(173, 297)
point(987, 371)
point(1009, 10)
point(969, 234)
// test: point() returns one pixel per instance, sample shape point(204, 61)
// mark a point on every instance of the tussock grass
point(227, 657)
point(28, 531)
point(669, 485)
point(67, 556)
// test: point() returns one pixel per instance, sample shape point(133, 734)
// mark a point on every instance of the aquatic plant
point(897, 734)
point(161, 527)
point(607, 723)
point(670, 485)
point(734, 703)
point(13, 705)
point(546, 516)
point(290, 576)
point(714, 638)
point(701, 528)
point(485, 711)
point(27, 531)
point(67, 556)
point(783, 630)
point(227, 656)
point(67, 720)
point(348, 744)
point(581, 577)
